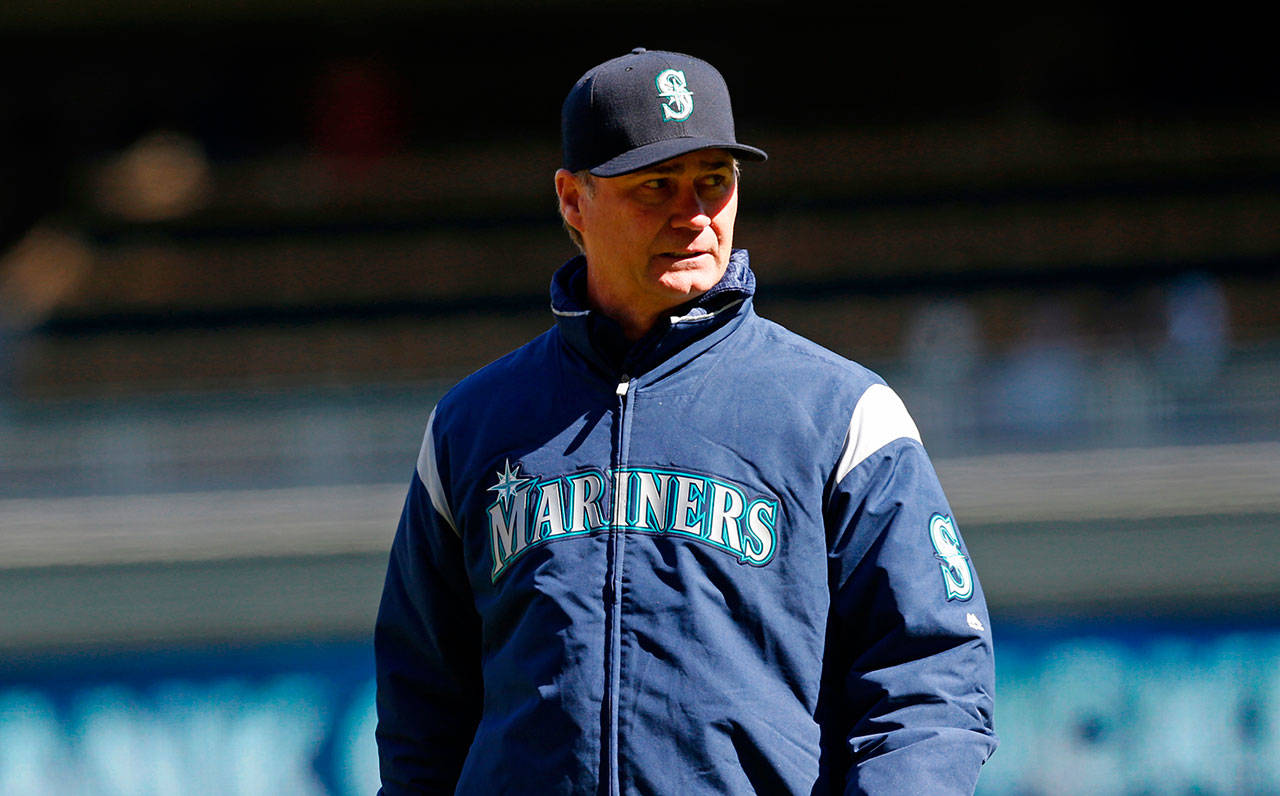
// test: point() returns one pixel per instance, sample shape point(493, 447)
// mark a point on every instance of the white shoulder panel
point(879, 418)
point(430, 475)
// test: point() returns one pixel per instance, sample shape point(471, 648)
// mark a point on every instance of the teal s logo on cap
point(614, 120)
point(675, 90)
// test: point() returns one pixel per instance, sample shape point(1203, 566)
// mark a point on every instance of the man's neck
point(634, 320)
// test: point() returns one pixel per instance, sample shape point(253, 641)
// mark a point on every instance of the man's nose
point(691, 211)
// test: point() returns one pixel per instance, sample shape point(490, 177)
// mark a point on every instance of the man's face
point(654, 238)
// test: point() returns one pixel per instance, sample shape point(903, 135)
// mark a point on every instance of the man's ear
point(570, 191)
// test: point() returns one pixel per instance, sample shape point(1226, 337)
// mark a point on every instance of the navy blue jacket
point(715, 561)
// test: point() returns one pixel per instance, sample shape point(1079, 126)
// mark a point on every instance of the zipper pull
point(623, 385)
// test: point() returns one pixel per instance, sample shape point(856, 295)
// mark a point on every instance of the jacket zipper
point(613, 594)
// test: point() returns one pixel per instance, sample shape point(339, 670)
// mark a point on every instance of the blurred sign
point(1122, 711)
point(1113, 710)
point(296, 720)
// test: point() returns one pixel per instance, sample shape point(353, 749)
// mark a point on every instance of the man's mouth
point(683, 255)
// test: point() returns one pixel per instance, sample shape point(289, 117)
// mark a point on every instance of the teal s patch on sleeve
point(956, 572)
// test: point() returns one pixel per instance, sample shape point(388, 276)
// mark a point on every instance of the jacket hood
point(600, 339)
point(569, 285)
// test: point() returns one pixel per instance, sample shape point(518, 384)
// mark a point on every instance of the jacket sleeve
point(909, 674)
point(426, 646)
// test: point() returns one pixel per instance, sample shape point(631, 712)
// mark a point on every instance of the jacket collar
point(687, 330)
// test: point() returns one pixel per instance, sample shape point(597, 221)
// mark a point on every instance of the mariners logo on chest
point(529, 511)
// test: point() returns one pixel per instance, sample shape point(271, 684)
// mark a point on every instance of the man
point(669, 547)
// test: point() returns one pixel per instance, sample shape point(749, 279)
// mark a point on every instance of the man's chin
point(688, 283)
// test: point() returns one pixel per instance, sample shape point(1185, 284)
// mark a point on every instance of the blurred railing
point(1031, 449)
point(1059, 397)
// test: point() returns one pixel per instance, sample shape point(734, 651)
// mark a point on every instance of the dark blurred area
point(272, 176)
point(319, 172)
point(244, 247)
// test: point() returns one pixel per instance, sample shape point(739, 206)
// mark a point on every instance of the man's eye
point(715, 181)
point(655, 184)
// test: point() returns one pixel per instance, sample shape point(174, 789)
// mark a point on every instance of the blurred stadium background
point(245, 246)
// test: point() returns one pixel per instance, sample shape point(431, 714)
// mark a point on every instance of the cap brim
point(649, 154)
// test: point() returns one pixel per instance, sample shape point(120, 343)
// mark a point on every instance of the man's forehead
point(706, 160)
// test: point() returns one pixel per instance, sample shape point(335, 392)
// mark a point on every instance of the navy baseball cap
point(643, 108)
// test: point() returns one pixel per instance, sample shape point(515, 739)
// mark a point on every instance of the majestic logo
point(956, 573)
point(530, 512)
point(673, 88)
